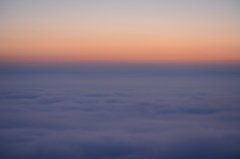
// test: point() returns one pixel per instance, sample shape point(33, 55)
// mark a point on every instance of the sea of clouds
point(119, 114)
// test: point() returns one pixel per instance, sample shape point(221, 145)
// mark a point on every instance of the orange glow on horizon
point(107, 34)
point(116, 48)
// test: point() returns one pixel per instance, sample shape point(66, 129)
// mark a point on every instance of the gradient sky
point(119, 31)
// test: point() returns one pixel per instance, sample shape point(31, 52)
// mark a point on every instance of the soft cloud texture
point(114, 115)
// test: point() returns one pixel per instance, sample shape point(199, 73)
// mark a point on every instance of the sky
point(119, 79)
point(133, 31)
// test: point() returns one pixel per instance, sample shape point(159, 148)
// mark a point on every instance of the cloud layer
point(119, 117)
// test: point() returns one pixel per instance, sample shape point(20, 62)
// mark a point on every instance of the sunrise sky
point(119, 79)
point(120, 31)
